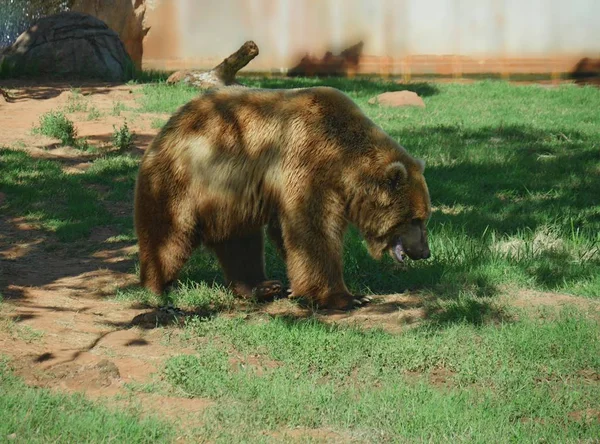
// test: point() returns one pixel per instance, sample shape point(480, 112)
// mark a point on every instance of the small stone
point(397, 99)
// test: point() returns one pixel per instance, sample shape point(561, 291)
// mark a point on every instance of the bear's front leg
point(314, 263)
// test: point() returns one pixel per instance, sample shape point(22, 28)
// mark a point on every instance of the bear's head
point(392, 209)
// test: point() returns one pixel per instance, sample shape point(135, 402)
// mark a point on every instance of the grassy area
point(520, 382)
point(35, 415)
point(514, 175)
point(66, 204)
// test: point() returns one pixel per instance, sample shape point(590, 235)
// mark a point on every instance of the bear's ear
point(396, 173)
point(421, 164)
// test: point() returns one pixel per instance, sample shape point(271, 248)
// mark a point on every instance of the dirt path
point(58, 326)
point(58, 323)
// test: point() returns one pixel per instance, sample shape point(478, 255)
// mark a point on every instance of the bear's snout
point(418, 253)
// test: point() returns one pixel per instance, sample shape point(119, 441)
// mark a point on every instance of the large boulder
point(69, 45)
point(125, 17)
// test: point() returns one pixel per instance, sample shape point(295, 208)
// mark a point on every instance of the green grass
point(37, 415)
point(513, 382)
point(158, 123)
point(163, 98)
point(148, 76)
point(514, 174)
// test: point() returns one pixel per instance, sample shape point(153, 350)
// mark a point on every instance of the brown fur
point(303, 162)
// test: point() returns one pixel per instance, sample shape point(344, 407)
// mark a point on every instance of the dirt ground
point(65, 332)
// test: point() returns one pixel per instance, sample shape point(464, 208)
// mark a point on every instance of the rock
point(398, 99)
point(69, 45)
point(125, 17)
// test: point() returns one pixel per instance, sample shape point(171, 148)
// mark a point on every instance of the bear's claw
point(362, 301)
point(267, 291)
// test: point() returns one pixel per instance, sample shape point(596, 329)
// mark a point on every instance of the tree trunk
point(221, 75)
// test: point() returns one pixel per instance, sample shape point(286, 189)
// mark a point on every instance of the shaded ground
point(58, 322)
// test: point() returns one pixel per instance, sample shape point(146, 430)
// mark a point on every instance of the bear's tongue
point(398, 251)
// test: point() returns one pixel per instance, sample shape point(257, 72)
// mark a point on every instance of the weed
point(118, 108)
point(56, 124)
point(76, 102)
point(122, 138)
point(94, 113)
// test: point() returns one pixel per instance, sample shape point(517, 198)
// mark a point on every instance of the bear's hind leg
point(163, 254)
point(242, 261)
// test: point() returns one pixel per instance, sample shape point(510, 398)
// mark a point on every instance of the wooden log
point(222, 74)
point(5, 95)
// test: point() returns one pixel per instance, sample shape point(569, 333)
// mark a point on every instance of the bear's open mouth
point(397, 251)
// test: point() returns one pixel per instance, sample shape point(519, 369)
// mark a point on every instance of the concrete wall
point(400, 36)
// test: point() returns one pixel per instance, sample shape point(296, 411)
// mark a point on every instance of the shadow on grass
point(466, 310)
point(507, 179)
point(69, 205)
point(363, 86)
point(517, 178)
point(41, 201)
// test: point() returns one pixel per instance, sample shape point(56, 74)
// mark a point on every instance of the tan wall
point(400, 36)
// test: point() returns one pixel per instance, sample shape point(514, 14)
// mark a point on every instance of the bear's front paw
point(341, 301)
point(338, 301)
point(267, 291)
point(348, 302)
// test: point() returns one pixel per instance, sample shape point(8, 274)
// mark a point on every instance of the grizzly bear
point(305, 163)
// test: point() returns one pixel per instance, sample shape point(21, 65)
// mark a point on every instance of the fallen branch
point(221, 75)
point(5, 95)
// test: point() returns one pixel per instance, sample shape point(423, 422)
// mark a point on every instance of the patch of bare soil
point(57, 322)
point(533, 302)
point(587, 415)
point(439, 377)
point(28, 101)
